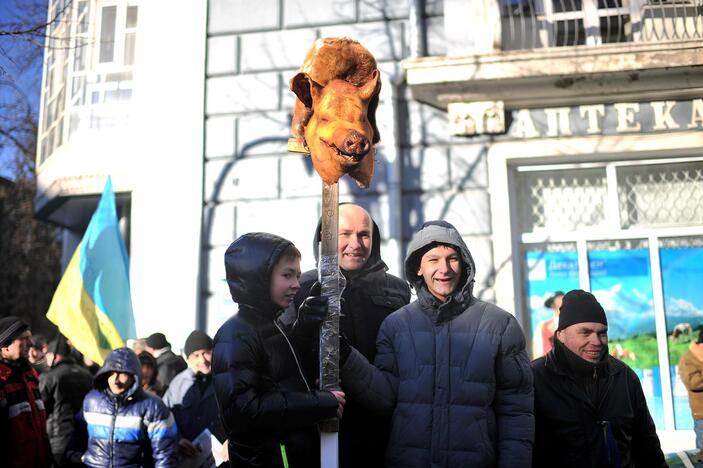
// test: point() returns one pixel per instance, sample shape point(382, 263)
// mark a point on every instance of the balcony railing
point(530, 24)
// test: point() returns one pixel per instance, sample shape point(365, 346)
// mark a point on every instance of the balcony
point(531, 24)
point(542, 53)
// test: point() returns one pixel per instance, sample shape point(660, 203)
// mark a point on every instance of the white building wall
point(167, 193)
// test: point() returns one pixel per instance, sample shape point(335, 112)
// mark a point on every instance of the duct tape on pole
point(331, 281)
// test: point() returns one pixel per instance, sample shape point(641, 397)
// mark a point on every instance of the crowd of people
point(142, 408)
point(442, 381)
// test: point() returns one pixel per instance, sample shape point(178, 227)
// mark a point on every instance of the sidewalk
point(685, 459)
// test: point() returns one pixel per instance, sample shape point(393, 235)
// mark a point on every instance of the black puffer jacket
point(263, 397)
point(169, 365)
point(369, 296)
point(454, 375)
point(63, 388)
point(573, 431)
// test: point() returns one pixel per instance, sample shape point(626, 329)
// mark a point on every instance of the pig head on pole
point(334, 118)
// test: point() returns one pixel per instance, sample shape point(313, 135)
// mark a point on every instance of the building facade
point(562, 139)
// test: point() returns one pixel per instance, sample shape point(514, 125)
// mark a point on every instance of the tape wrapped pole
point(330, 279)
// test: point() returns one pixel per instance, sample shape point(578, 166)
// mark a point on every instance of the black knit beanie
point(197, 340)
point(59, 345)
point(157, 341)
point(10, 328)
point(579, 306)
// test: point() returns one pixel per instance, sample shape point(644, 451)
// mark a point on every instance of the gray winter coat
point(455, 375)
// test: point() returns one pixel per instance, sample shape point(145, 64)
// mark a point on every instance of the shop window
point(550, 268)
point(621, 279)
point(649, 285)
point(681, 261)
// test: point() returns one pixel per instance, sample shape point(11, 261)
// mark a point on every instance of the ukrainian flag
point(92, 305)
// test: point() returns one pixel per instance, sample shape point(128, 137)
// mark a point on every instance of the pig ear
point(305, 88)
point(372, 87)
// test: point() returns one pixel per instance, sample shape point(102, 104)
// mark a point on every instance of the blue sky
point(13, 55)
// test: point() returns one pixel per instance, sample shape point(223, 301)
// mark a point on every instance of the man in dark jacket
point(127, 427)
point(191, 395)
point(63, 387)
point(451, 369)
point(369, 296)
point(23, 439)
point(266, 404)
point(169, 363)
point(590, 410)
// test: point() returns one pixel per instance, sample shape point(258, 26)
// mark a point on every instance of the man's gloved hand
point(313, 311)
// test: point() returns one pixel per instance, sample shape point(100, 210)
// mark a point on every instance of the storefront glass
point(682, 276)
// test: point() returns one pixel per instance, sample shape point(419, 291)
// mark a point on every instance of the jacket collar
point(564, 362)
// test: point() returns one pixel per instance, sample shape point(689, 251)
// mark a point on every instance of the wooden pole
point(331, 281)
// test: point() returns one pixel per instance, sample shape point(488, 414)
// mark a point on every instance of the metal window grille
point(680, 242)
point(617, 244)
point(563, 200)
point(661, 195)
point(529, 24)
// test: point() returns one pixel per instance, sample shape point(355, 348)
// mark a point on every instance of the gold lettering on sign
point(626, 116)
point(593, 114)
point(696, 113)
point(558, 121)
point(662, 115)
point(524, 126)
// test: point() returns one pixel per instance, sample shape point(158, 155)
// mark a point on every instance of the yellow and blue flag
point(92, 305)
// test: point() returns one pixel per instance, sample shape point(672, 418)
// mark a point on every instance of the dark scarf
point(203, 381)
point(592, 377)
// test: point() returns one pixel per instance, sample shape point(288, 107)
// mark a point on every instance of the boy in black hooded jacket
point(267, 407)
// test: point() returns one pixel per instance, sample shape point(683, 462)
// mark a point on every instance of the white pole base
point(329, 450)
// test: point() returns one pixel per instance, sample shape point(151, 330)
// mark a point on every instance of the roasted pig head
point(339, 133)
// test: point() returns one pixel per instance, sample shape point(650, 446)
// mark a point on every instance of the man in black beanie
point(170, 364)
point(590, 410)
point(23, 438)
point(191, 396)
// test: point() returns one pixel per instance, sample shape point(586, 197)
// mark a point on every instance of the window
point(107, 34)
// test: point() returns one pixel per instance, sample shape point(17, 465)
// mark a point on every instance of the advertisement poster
point(621, 281)
point(547, 272)
point(682, 275)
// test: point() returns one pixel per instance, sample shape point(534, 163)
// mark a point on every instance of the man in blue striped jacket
point(127, 427)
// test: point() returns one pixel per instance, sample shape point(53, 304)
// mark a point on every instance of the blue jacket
point(194, 410)
point(134, 429)
point(455, 375)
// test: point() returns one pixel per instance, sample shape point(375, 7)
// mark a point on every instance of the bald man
point(370, 295)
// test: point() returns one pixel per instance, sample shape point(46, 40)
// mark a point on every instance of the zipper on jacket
point(297, 363)
point(112, 432)
point(604, 426)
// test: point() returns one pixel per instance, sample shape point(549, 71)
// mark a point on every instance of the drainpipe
point(400, 138)
point(416, 25)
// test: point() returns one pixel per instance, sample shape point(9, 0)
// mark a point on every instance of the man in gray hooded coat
point(450, 368)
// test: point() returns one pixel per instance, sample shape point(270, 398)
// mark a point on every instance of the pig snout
point(355, 144)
